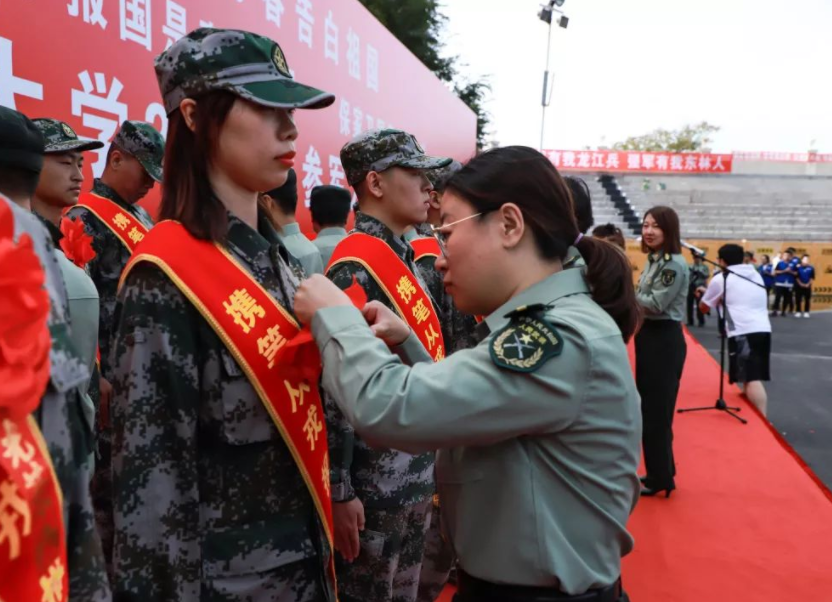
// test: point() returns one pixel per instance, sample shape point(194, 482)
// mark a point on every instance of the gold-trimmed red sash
point(399, 284)
point(425, 247)
point(32, 534)
point(255, 329)
point(125, 226)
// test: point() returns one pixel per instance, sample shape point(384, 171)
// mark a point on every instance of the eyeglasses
point(442, 237)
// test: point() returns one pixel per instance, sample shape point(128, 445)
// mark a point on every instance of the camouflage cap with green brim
point(60, 138)
point(246, 64)
point(141, 140)
point(439, 177)
point(378, 150)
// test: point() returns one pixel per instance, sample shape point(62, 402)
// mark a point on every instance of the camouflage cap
point(249, 65)
point(439, 177)
point(21, 143)
point(141, 140)
point(377, 150)
point(60, 138)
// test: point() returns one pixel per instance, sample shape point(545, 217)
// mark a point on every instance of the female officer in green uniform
point(538, 425)
point(660, 344)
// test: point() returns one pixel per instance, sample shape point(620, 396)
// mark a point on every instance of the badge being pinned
point(668, 277)
point(526, 343)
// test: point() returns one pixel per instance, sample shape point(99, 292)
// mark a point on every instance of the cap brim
point(153, 169)
point(425, 162)
point(286, 94)
point(73, 145)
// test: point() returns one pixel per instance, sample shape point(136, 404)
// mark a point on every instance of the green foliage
point(691, 138)
point(418, 25)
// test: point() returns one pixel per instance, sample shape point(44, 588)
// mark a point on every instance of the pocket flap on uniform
point(67, 369)
point(256, 547)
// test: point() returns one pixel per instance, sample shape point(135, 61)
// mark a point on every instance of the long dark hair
point(668, 220)
point(523, 176)
point(186, 192)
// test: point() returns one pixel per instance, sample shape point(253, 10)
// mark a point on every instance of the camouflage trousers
point(294, 582)
point(102, 496)
point(437, 561)
point(70, 442)
point(388, 566)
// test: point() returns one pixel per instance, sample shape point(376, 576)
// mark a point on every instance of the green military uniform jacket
point(208, 501)
point(302, 249)
point(537, 465)
point(110, 258)
point(379, 476)
point(61, 419)
point(699, 275)
point(83, 301)
point(327, 240)
point(663, 287)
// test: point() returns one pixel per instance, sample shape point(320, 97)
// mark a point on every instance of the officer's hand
point(385, 324)
point(317, 292)
point(106, 391)
point(348, 519)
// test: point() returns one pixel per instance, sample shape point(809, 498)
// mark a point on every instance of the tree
point(689, 139)
point(473, 93)
point(418, 25)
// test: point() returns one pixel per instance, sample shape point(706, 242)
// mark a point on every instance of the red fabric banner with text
point(90, 63)
point(636, 161)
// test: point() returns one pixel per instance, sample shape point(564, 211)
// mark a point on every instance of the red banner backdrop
point(634, 161)
point(90, 63)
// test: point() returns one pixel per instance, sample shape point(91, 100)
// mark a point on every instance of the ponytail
point(610, 277)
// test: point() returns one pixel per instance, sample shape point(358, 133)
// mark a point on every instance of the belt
point(471, 589)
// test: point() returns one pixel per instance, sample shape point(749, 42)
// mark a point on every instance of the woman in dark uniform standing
point(660, 344)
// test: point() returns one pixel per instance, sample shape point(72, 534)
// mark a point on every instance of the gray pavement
point(800, 392)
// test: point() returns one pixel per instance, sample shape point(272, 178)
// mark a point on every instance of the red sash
point(398, 283)
point(425, 247)
point(255, 329)
point(127, 228)
point(32, 536)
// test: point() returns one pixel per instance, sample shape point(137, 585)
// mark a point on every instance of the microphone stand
point(720, 404)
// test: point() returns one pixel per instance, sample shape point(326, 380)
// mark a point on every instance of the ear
point(374, 183)
point(116, 159)
point(512, 225)
point(434, 199)
point(188, 109)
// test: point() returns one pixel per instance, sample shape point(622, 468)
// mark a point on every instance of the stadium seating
point(751, 207)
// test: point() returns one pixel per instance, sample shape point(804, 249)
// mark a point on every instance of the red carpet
point(747, 523)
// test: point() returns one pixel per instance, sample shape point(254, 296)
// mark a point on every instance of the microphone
point(696, 250)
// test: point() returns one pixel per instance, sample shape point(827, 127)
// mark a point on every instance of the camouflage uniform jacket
point(208, 502)
point(60, 417)
point(457, 327)
point(379, 477)
point(110, 258)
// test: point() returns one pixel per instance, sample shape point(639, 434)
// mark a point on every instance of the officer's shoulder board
point(527, 342)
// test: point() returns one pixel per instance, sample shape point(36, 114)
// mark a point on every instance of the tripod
point(720, 404)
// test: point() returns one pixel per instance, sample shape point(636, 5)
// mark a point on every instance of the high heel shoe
point(651, 492)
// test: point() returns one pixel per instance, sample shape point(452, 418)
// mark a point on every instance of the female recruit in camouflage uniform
point(208, 501)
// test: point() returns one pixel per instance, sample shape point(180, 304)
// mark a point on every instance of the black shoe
point(643, 479)
point(651, 492)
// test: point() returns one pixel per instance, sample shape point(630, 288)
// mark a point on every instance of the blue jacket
point(766, 272)
point(787, 279)
point(805, 273)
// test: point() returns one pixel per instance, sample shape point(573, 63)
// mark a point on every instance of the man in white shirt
point(746, 321)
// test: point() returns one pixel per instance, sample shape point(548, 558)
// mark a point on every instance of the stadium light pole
point(545, 14)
